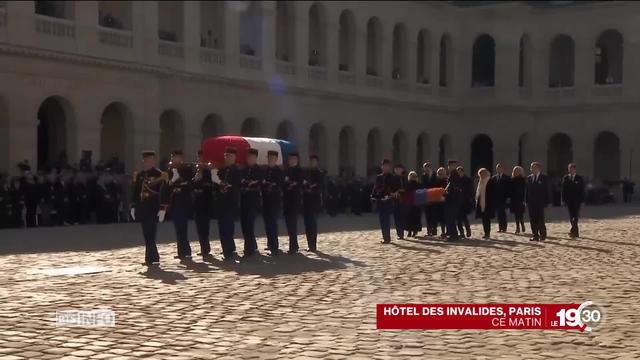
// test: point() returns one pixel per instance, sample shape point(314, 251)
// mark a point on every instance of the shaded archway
point(251, 127)
point(285, 31)
point(171, 133)
point(561, 62)
point(524, 61)
point(212, 125)
point(609, 55)
point(318, 141)
point(399, 52)
point(422, 150)
point(423, 63)
point(559, 155)
point(4, 137)
point(374, 151)
point(171, 21)
point(400, 148)
point(115, 134)
point(374, 46)
point(347, 39)
point(55, 120)
point(250, 27)
point(347, 152)
point(317, 35)
point(483, 62)
point(285, 131)
point(445, 61)
point(212, 24)
point(606, 157)
point(444, 149)
point(481, 153)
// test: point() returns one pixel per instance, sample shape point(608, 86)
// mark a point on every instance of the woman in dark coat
point(414, 224)
point(518, 185)
point(485, 209)
point(441, 181)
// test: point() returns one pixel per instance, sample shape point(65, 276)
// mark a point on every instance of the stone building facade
point(352, 81)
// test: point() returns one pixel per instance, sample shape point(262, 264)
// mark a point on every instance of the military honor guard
point(381, 195)
point(179, 190)
point(5, 203)
point(573, 196)
point(292, 199)
point(149, 203)
point(537, 198)
point(229, 188)
point(312, 201)
point(202, 186)
point(272, 183)
point(453, 201)
point(250, 201)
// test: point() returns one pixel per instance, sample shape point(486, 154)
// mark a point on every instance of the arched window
point(116, 145)
point(559, 155)
point(423, 70)
point(374, 46)
point(609, 55)
point(445, 60)
point(399, 51)
point(212, 125)
point(170, 21)
point(524, 61)
point(561, 62)
point(483, 62)
point(115, 15)
point(481, 153)
point(57, 9)
point(347, 33)
point(347, 152)
point(212, 24)
point(250, 28)
point(250, 127)
point(55, 124)
point(285, 31)
point(317, 36)
point(171, 134)
point(374, 151)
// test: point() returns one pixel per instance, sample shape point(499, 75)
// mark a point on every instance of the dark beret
point(272, 153)
point(252, 151)
point(230, 150)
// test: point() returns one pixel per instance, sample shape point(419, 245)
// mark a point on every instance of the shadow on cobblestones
point(167, 277)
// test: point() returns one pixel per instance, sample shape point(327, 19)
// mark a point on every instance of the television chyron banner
point(584, 317)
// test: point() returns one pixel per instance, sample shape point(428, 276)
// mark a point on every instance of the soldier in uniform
point(271, 198)
point(229, 189)
point(149, 203)
point(179, 192)
point(312, 201)
point(32, 195)
point(292, 199)
point(381, 195)
point(250, 201)
point(202, 186)
point(80, 198)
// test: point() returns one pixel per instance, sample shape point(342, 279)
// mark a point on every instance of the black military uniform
point(17, 204)
point(573, 197)
point(292, 200)
point(229, 189)
point(250, 203)
point(312, 202)
point(467, 205)
point(271, 202)
point(179, 193)
point(80, 199)
point(202, 187)
point(148, 198)
point(107, 193)
point(5, 204)
point(32, 193)
point(381, 195)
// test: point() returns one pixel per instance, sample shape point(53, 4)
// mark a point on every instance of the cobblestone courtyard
point(316, 305)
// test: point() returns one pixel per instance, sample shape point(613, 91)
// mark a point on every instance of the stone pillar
point(539, 66)
point(412, 58)
point(231, 36)
point(583, 154)
point(506, 68)
point(584, 65)
point(302, 42)
point(333, 34)
point(359, 65)
point(630, 71)
point(145, 35)
point(20, 22)
point(460, 81)
point(86, 18)
point(268, 38)
point(360, 161)
point(191, 21)
point(23, 131)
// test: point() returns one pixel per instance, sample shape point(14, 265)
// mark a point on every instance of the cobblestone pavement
point(323, 305)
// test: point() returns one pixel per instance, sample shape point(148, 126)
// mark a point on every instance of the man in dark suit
point(149, 204)
point(453, 201)
point(229, 188)
point(501, 186)
point(250, 201)
point(271, 200)
point(428, 179)
point(397, 188)
point(381, 194)
point(292, 199)
point(537, 198)
point(573, 196)
point(179, 189)
point(312, 201)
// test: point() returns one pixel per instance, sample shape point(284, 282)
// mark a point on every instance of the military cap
point(386, 162)
point(452, 161)
point(148, 153)
point(24, 166)
point(177, 152)
point(294, 154)
point(252, 151)
point(230, 150)
point(272, 153)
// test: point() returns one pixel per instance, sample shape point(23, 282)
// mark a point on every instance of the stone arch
point(561, 62)
point(483, 65)
point(285, 31)
point(374, 47)
point(318, 141)
point(445, 61)
point(347, 41)
point(374, 151)
point(251, 127)
point(606, 157)
point(423, 61)
point(444, 149)
point(317, 35)
point(116, 134)
point(399, 52)
point(347, 152)
point(171, 21)
point(286, 131)
point(609, 56)
point(422, 149)
point(56, 132)
point(399, 143)
point(171, 133)
point(212, 125)
point(559, 154)
point(481, 153)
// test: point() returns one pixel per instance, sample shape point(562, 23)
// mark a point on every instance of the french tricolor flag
point(213, 148)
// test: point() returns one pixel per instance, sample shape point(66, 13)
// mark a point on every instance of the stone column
point(145, 30)
point(539, 66)
point(333, 34)
point(584, 65)
point(302, 42)
point(20, 22)
point(583, 154)
point(86, 19)
point(359, 65)
point(412, 59)
point(231, 36)
point(268, 39)
point(506, 68)
point(360, 161)
point(191, 21)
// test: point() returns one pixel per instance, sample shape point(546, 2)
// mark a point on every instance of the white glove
point(161, 215)
point(214, 176)
point(175, 176)
point(133, 213)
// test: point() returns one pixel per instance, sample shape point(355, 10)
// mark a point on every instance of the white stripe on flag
point(264, 145)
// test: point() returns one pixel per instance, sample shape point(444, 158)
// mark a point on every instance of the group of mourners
point(492, 196)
